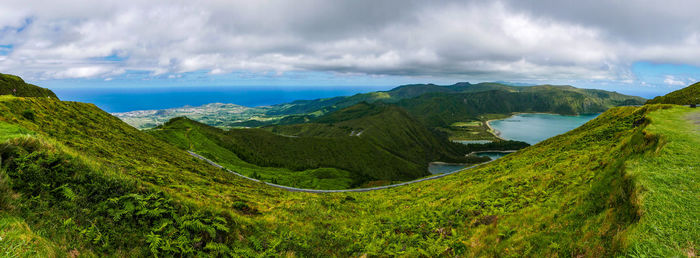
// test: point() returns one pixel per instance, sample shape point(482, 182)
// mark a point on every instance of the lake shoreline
point(497, 133)
point(499, 151)
point(450, 164)
point(493, 131)
point(533, 127)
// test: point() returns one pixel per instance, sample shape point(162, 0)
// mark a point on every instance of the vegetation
point(14, 85)
point(442, 110)
point(472, 130)
point(595, 100)
point(360, 145)
point(303, 111)
point(71, 201)
point(77, 181)
point(211, 142)
point(497, 146)
point(215, 114)
point(686, 96)
point(667, 187)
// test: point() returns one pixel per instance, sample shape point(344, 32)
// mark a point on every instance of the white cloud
point(505, 40)
point(671, 80)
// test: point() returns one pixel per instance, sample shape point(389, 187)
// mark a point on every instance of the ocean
point(129, 99)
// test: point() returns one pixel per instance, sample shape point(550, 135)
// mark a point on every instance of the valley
point(346, 128)
point(77, 179)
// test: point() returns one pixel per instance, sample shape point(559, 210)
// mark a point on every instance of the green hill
point(372, 144)
point(686, 96)
point(76, 181)
point(387, 126)
point(440, 107)
point(14, 85)
point(416, 90)
point(300, 111)
point(441, 110)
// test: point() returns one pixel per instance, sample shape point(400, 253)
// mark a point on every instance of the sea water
point(130, 99)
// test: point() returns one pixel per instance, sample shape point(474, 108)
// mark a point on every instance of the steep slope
point(377, 143)
point(441, 110)
point(99, 186)
point(86, 183)
point(301, 111)
point(686, 96)
point(386, 126)
point(14, 85)
point(416, 90)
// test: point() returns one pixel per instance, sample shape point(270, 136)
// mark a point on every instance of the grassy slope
point(8, 83)
point(415, 90)
point(386, 126)
point(439, 107)
point(568, 195)
point(206, 141)
point(668, 181)
point(686, 96)
point(18, 240)
point(393, 147)
point(442, 110)
point(604, 99)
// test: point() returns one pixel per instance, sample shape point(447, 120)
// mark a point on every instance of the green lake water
point(530, 128)
point(492, 155)
point(534, 128)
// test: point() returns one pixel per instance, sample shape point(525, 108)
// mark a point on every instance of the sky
point(627, 46)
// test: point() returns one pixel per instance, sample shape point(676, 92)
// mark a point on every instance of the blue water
point(444, 168)
point(472, 141)
point(492, 155)
point(534, 128)
point(130, 99)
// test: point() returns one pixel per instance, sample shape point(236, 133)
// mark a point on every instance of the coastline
point(493, 131)
point(500, 151)
point(497, 133)
point(450, 164)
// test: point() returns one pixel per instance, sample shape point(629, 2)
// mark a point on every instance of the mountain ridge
point(297, 110)
point(75, 180)
point(685, 96)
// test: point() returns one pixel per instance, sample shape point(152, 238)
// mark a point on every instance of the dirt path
point(694, 118)
point(294, 189)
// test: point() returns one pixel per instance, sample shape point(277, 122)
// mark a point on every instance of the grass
point(189, 136)
point(668, 181)
point(7, 97)
point(584, 193)
point(354, 147)
point(18, 240)
point(14, 85)
point(9, 131)
point(686, 96)
point(467, 124)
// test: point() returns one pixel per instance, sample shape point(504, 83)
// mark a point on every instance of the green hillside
point(686, 96)
point(77, 181)
point(301, 111)
point(387, 145)
point(416, 90)
point(440, 107)
point(386, 126)
point(14, 85)
point(441, 110)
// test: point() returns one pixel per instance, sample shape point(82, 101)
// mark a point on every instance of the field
point(86, 183)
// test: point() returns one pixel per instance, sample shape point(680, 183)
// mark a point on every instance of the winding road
point(294, 189)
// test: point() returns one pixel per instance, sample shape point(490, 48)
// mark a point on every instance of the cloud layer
point(509, 40)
